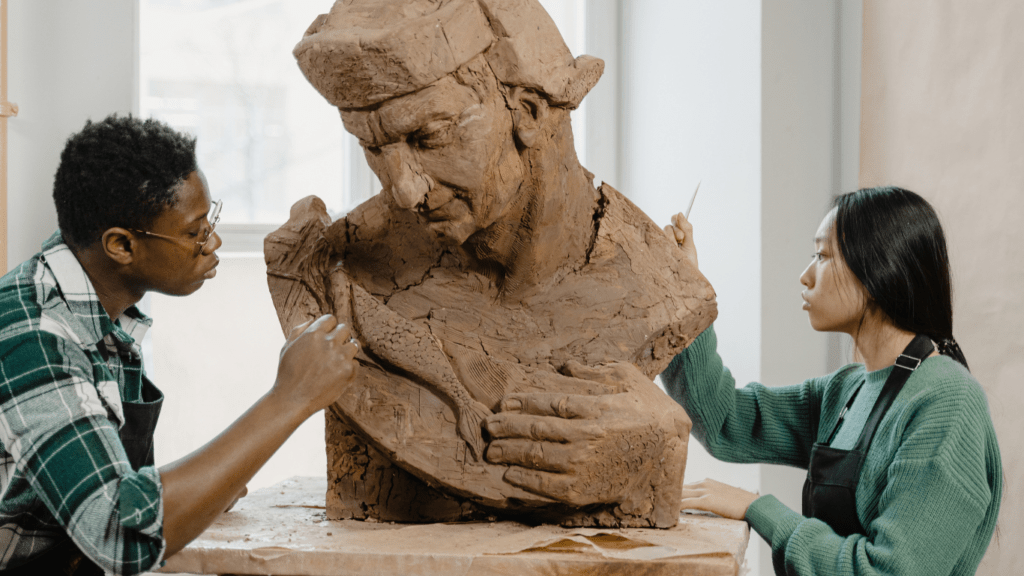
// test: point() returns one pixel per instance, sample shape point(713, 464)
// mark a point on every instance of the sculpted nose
point(409, 186)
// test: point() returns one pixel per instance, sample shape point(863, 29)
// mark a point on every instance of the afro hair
point(121, 171)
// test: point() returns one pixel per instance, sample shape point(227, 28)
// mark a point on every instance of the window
point(223, 71)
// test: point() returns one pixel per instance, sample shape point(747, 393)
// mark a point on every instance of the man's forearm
point(200, 486)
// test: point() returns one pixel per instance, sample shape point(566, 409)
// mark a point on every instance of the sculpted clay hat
point(366, 51)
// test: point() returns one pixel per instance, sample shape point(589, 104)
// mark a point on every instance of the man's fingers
point(549, 456)
point(350, 349)
point(296, 330)
point(544, 428)
point(341, 333)
point(325, 323)
point(547, 404)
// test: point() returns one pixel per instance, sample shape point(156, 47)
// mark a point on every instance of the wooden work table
point(283, 530)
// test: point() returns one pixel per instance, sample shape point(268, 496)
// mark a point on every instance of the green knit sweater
point(930, 487)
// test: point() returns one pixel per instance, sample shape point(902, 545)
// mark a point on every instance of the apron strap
point(915, 353)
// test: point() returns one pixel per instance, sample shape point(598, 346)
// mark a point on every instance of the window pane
point(223, 71)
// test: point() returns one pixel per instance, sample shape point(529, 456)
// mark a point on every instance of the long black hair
point(893, 243)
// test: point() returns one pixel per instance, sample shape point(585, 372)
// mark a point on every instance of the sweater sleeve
point(934, 501)
point(756, 423)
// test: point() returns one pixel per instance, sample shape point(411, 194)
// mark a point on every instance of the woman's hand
point(681, 232)
point(722, 499)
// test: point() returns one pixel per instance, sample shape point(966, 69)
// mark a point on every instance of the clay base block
point(362, 483)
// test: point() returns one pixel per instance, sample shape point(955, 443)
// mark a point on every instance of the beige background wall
point(943, 115)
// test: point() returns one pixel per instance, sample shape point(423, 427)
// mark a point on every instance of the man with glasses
point(79, 493)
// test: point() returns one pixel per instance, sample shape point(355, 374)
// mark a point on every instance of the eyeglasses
point(197, 245)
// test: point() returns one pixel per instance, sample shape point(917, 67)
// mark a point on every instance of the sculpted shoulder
point(625, 231)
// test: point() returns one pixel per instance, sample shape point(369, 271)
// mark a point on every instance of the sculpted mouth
point(450, 210)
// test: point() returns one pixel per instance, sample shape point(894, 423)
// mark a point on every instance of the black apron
point(832, 475)
point(140, 418)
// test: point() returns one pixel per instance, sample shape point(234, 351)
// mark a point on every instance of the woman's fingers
point(677, 230)
point(717, 497)
point(682, 232)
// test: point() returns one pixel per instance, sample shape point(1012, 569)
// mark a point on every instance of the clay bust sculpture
point(488, 282)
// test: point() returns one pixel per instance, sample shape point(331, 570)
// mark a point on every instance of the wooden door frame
point(6, 109)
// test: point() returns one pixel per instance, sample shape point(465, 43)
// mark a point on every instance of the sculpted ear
point(119, 245)
point(529, 115)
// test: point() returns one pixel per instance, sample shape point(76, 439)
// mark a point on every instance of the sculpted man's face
point(443, 153)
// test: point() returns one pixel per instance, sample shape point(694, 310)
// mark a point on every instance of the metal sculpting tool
point(687, 215)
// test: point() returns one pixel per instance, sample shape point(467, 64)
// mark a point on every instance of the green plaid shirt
point(64, 370)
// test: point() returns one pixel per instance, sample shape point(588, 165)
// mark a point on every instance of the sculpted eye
point(434, 135)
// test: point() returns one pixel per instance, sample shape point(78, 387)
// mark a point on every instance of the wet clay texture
point(489, 265)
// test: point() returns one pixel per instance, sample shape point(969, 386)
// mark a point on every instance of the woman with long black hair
point(904, 475)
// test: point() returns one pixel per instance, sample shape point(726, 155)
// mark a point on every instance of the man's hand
point(316, 364)
point(722, 499)
point(627, 448)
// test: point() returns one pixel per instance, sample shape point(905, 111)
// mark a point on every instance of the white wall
point(691, 112)
point(216, 353)
point(810, 94)
point(759, 101)
point(69, 61)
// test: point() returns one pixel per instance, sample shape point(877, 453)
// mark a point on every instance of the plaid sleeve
point(53, 422)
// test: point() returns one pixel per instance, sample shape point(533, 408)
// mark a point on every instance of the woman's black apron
point(137, 437)
point(832, 476)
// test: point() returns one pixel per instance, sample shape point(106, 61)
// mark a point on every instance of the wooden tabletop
point(284, 530)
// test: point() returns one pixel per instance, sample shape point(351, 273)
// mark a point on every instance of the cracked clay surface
point(489, 265)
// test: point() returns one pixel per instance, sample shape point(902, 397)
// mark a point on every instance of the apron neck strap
point(915, 353)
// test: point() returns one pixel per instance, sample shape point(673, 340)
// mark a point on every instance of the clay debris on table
point(489, 264)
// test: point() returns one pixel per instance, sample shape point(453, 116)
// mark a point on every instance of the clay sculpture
point(488, 282)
